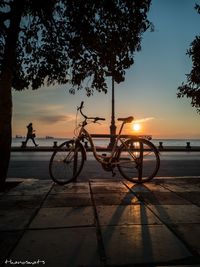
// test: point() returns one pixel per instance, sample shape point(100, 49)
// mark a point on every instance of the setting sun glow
point(136, 127)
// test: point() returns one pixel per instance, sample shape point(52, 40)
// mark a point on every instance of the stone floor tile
point(193, 197)
point(193, 265)
point(115, 199)
point(67, 200)
point(10, 186)
point(125, 215)
point(147, 187)
point(75, 188)
point(141, 244)
point(111, 181)
point(63, 217)
point(59, 247)
point(190, 233)
point(98, 188)
point(20, 202)
point(107, 183)
point(31, 187)
point(184, 187)
point(7, 242)
point(177, 180)
point(15, 219)
point(175, 214)
point(162, 198)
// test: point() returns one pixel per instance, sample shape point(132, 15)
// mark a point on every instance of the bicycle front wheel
point(138, 160)
point(66, 162)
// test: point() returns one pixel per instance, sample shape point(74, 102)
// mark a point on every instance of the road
point(35, 165)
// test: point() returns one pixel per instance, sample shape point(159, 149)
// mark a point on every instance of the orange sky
point(149, 92)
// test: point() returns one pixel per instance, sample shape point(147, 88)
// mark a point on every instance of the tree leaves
point(191, 89)
point(77, 42)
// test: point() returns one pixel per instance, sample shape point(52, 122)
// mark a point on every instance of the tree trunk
point(6, 76)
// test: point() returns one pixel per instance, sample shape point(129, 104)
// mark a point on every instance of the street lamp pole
point(112, 126)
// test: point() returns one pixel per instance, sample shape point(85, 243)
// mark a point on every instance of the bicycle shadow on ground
point(121, 211)
point(129, 211)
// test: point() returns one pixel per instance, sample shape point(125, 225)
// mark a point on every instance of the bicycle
point(137, 159)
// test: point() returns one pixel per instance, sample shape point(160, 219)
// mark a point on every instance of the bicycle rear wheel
point(138, 160)
point(66, 162)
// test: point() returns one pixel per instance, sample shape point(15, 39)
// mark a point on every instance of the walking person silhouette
point(30, 134)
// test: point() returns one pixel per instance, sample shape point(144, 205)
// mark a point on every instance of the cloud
point(55, 118)
point(29, 109)
point(144, 119)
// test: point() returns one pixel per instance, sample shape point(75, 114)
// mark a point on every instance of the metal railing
point(161, 147)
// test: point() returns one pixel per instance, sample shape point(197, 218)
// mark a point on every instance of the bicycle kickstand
point(113, 173)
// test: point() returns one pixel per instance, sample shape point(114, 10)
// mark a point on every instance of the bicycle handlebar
point(81, 106)
point(86, 117)
point(99, 119)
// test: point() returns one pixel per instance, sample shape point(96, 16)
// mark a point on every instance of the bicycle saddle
point(126, 120)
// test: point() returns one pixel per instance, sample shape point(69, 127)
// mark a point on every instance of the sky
point(149, 92)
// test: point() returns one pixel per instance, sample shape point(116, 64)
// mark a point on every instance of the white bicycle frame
point(83, 133)
point(130, 150)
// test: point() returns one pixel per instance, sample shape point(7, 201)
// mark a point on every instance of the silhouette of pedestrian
point(30, 134)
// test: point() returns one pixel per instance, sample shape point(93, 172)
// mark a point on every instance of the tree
point(64, 41)
point(191, 89)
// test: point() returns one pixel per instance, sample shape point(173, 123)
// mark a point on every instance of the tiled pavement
point(101, 223)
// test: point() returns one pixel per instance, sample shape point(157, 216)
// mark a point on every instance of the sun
point(136, 127)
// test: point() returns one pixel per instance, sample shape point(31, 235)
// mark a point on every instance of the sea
point(17, 142)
